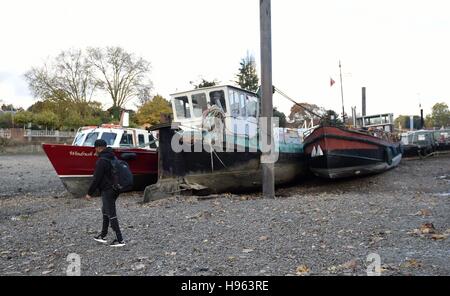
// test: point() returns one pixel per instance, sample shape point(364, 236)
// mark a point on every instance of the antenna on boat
point(342, 93)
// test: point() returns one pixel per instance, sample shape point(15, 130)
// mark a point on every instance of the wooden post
point(268, 178)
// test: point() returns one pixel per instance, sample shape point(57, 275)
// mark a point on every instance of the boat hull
point(338, 153)
point(204, 172)
point(237, 171)
point(75, 165)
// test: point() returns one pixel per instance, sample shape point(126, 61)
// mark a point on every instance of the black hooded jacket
point(102, 179)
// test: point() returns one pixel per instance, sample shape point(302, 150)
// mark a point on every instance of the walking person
point(103, 180)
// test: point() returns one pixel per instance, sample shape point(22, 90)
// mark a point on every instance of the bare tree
point(68, 77)
point(123, 75)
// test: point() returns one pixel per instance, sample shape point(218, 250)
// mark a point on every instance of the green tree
point(46, 118)
point(428, 121)
point(73, 121)
point(205, 83)
point(150, 112)
point(331, 118)
point(282, 117)
point(6, 120)
point(441, 115)
point(23, 118)
point(72, 115)
point(247, 75)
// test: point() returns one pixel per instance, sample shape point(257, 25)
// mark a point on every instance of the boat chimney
point(422, 123)
point(364, 101)
point(354, 116)
point(125, 119)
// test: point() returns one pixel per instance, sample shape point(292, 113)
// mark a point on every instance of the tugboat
point(337, 152)
point(213, 145)
point(75, 163)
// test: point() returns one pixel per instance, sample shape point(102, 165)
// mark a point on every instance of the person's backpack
point(122, 178)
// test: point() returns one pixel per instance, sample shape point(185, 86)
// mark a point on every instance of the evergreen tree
point(205, 83)
point(247, 76)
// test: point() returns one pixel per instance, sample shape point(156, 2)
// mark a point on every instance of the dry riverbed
point(316, 227)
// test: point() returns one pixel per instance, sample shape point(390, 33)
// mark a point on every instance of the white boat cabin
point(116, 136)
point(241, 108)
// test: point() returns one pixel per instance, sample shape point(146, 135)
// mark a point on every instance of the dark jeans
point(109, 198)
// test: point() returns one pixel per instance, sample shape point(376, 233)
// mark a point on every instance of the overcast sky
point(398, 49)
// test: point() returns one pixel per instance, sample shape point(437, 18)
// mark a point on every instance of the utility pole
point(268, 175)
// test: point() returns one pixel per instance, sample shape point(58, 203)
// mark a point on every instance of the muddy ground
point(314, 228)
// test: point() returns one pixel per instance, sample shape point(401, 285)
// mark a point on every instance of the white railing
point(5, 133)
point(49, 133)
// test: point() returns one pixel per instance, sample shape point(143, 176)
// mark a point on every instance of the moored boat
point(75, 163)
point(222, 155)
point(336, 152)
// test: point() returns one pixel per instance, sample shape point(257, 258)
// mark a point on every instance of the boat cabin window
point(252, 106)
point(242, 105)
point(141, 140)
point(90, 139)
point(152, 141)
point(218, 98)
point(406, 139)
point(78, 140)
point(234, 103)
point(199, 104)
point(109, 138)
point(182, 107)
point(127, 140)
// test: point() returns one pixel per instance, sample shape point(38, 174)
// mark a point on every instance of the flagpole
point(342, 93)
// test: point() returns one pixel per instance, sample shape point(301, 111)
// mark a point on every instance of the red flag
point(332, 82)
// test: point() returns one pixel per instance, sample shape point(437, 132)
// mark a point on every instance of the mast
point(342, 93)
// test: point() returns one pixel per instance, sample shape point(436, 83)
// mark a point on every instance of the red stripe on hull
point(332, 138)
point(330, 144)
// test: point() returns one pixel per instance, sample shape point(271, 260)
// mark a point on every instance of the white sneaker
point(101, 239)
point(116, 243)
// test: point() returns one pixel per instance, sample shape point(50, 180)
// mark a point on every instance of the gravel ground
point(28, 175)
point(314, 228)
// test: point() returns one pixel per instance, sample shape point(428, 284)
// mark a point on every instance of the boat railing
point(309, 131)
point(49, 133)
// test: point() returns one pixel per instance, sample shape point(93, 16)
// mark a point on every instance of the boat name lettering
point(76, 153)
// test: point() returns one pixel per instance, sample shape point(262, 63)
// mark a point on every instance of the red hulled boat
point(75, 163)
point(336, 152)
